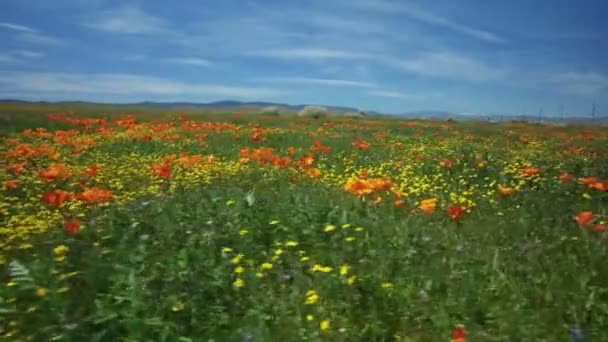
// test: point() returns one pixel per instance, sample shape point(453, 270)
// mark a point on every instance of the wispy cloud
point(128, 19)
point(16, 27)
point(188, 61)
point(427, 17)
point(389, 94)
point(30, 35)
point(19, 56)
point(123, 84)
point(309, 53)
point(579, 83)
point(452, 65)
point(319, 81)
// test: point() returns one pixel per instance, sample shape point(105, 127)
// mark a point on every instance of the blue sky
point(467, 56)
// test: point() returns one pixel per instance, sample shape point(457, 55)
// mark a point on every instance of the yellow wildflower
point(329, 228)
point(41, 292)
point(238, 283)
point(344, 269)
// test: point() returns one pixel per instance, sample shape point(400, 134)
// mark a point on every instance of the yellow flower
point(226, 250)
point(61, 250)
point(291, 244)
point(237, 258)
point(243, 232)
point(324, 325)
point(346, 226)
point(387, 285)
point(350, 239)
point(41, 292)
point(238, 283)
point(266, 266)
point(312, 297)
point(179, 306)
point(329, 228)
point(239, 270)
point(344, 269)
point(278, 252)
point(321, 268)
point(359, 229)
point(310, 317)
point(304, 259)
point(351, 280)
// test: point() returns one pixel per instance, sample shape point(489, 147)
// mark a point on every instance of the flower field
point(234, 227)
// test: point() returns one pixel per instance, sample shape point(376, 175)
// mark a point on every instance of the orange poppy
point(565, 177)
point(601, 186)
point(505, 191)
point(56, 198)
point(95, 195)
point(358, 187)
point(12, 184)
point(428, 206)
point(314, 173)
point(531, 171)
point(588, 180)
point(585, 218)
point(55, 172)
point(600, 228)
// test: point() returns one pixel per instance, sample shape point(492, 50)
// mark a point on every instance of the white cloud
point(452, 65)
point(128, 19)
point(427, 17)
point(389, 94)
point(188, 61)
point(319, 81)
point(122, 84)
point(309, 53)
point(579, 83)
point(31, 35)
point(16, 27)
point(19, 56)
point(29, 54)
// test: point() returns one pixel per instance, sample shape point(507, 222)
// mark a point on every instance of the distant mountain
point(228, 105)
point(429, 114)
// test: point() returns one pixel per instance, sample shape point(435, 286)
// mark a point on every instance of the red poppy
point(72, 226)
point(361, 144)
point(163, 171)
point(92, 170)
point(459, 334)
point(447, 163)
point(56, 198)
point(11, 184)
point(456, 211)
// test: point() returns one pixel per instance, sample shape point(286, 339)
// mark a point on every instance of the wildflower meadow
point(150, 226)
